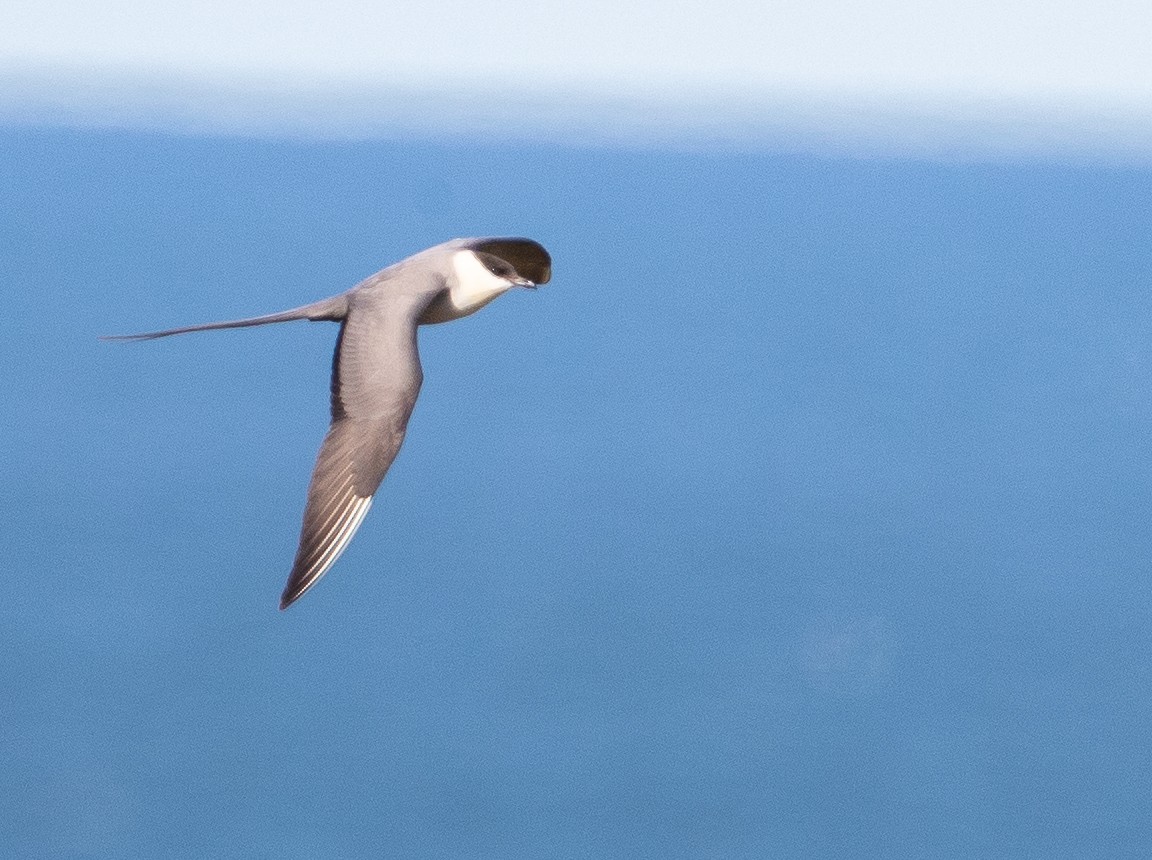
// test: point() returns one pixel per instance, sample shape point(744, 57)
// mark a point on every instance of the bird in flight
point(376, 374)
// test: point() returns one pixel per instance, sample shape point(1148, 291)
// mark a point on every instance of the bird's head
point(479, 270)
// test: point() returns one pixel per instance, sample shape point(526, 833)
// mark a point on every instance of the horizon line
point(937, 127)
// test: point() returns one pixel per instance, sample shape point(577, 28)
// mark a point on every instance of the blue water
point(805, 514)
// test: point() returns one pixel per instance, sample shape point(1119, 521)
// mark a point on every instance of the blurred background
point(804, 514)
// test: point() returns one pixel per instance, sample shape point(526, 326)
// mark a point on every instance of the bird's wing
point(376, 377)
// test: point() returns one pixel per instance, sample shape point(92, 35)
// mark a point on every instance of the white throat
point(471, 285)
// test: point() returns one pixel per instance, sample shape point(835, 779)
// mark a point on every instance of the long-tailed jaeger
point(376, 374)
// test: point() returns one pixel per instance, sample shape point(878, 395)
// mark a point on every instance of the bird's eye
point(499, 268)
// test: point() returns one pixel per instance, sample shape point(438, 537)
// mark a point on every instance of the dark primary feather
point(336, 504)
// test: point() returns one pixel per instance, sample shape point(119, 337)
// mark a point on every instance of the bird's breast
point(460, 300)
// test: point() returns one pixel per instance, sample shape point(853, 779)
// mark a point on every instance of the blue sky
point(804, 514)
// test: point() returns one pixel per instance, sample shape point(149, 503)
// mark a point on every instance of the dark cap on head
point(529, 258)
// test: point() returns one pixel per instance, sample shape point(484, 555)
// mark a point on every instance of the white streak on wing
point(332, 526)
point(339, 540)
point(339, 506)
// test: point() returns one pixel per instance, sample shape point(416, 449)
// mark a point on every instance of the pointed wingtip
point(324, 535)
point(290, 596)
point(285, 602)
